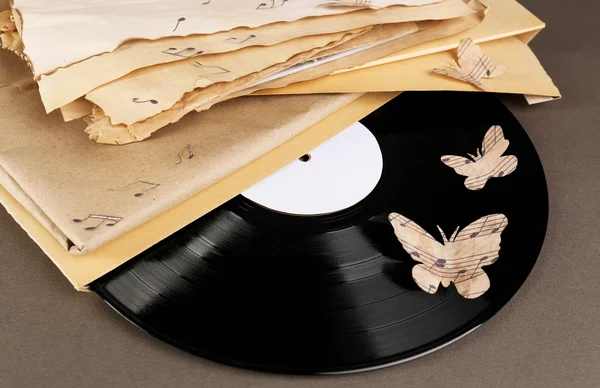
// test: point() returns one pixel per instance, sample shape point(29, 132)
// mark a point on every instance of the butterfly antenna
point(453, 237)
point(443, 235)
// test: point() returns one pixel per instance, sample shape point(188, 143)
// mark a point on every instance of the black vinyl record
point(264, 290)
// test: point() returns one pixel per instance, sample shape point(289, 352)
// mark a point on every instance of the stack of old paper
point(131, 70)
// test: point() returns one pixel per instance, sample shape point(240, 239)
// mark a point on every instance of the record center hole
point(305, 158)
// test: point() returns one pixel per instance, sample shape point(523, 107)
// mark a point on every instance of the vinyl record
point(264, 289)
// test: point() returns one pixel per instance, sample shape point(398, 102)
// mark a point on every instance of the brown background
point(547, 336)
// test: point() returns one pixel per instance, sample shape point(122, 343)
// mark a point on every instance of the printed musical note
point(178, 21)
point(459, 259)
point(137, 101)
point(187, 150)
point(462, 271)
point(103, 219)
point(236, 41)
point(273, 4)
point(212, 70)
point(475, 234)
point(148, 186)
point(183, 53)
point(488, 163)
point(473, 65)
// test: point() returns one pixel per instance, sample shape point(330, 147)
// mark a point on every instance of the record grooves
point(259, 289)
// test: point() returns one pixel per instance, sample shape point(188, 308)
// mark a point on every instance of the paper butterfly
point(459, 260)
point(487, 164)
point(473, 65)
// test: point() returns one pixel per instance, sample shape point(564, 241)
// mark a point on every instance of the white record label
point(334, 176)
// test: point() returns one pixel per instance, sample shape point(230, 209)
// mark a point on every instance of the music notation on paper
point(142, 187)
point(138, 101)
point(459, 259)
point(487, 163)
point(211, 70)
point(104, 220)
point(272, 4)
point(182, 19)
point(237, 41)
point(185, 153)
point(183, 53)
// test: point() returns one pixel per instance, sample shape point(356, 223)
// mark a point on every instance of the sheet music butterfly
point(458, 260)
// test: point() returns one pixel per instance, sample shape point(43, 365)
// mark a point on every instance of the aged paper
point(9, 36)
point(6, 21)
point(74, 81)
point(58, 169)
point(473, 65)
point(524, 75)
point(503, 18)
point(149, 91)
point(200, 99)
point(76, 110)
point(458, 260)
point(76, 23)
point(102, 131)
point(428, 31)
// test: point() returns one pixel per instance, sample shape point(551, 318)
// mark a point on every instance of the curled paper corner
point(473, 65)
point(10, 35)
point(117, 136)
point(112, 135)
point(459, 259)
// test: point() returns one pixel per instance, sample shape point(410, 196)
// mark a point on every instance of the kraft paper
point(92, 193)
point(83, 269)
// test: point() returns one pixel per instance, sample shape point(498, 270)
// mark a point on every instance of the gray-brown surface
point(547, 336)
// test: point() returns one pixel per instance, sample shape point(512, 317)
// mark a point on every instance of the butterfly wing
point(461, 75)
point(492, 164)
point(475, 62)
point(474, 247)
point(462, 166)
point(422, 247)
point(425, 279)
point(506, 165)
point(494, 143)
point(495, 169)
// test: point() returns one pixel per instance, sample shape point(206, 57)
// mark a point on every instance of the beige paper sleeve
point(87, 191)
